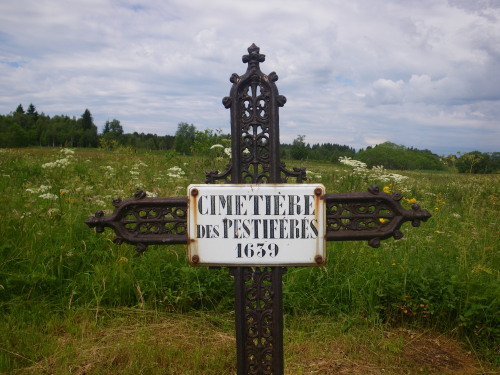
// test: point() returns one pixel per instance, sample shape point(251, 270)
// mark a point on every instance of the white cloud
point(353, 72)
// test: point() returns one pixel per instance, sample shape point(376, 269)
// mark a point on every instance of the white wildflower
point(61, 163)
point(176, 169)
point(67, 152)
point(48, 196)
point(53, 212)
point(100, 203)
point(175, 172)
point(41, 189)
point(227, 151)
point(356, 164)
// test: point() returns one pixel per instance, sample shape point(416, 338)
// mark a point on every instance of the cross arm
point(371, 216)
point(143, 221)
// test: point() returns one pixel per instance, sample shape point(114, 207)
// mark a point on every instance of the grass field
point(74, 302)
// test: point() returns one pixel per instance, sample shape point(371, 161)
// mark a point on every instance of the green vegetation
point(394, 156)
point(65, 291)
point(28, 128)
point(478, 162)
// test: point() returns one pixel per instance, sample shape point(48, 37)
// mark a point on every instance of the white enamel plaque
point(256, 225)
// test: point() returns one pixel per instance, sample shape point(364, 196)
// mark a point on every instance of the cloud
point(353, 72)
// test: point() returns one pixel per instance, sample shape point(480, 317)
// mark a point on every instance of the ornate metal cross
point(254, 102)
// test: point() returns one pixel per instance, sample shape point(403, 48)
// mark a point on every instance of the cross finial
point(254, 56)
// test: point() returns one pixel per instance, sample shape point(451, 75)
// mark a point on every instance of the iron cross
point(254, 103)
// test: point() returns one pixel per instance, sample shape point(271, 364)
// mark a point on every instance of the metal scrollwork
point(254, 102)
point(145, 221)
point(372, 216)
point(259, 326)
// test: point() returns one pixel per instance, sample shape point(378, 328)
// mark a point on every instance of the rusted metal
point(254, 102)
point(371, 216)
point(143, 221)
point(259, 320)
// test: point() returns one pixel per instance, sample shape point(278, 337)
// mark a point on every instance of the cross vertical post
point(254, 102)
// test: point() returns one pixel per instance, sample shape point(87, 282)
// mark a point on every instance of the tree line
point(24, 128)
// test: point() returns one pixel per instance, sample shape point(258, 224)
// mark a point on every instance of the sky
point(418, 73)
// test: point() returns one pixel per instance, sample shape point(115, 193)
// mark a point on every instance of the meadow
point(74, 302)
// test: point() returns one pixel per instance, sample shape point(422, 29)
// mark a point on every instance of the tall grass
point(443, 275)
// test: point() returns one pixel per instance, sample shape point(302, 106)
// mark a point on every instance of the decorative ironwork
point(259, 322)
point(371, 216)
point(254, 102)
point(145, 221)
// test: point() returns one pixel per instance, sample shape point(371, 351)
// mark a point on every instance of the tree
point(393, 156)
point(11, 134)
point(473, 162)
point(32, 110)
point(299, 150)
point(184, 138)
point(87, 121)
point(114, 128)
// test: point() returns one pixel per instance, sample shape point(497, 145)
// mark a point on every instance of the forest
point(28, 128)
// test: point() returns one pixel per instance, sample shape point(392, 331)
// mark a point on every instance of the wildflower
point(412, 200)
point(456, 215)
point(67, 152)
point(175, 172)
point(227, 151)
point(356, 164)
point(312, 174)
point(48, 196)
point(52, 212)
point(387, 189)
point(61, 163)
point(397, 178)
